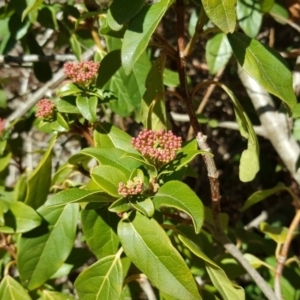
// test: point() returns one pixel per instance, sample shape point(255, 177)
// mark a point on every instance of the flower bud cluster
point(2, 127)
point(158, 146)
point(45, 108)
point(132, 187)
point(81, 72)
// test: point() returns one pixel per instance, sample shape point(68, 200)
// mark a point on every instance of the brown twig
point(6, 245)
point(205, 99)
point(281, 259)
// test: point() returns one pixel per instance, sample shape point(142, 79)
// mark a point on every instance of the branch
point(274, 124)
point(223, 124)
point(30, 58)
point(284, 253)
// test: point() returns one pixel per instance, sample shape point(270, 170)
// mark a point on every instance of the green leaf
point(75, 45)
point(120, 206)
point(42, 251)
point(110, 64)
point(50, 295)
point(62, 121)
point(217, 52)
point(227, 290)
point(249, 16)
point(139, 32)
point(67, 90)
point(75, 195)
point(144, 205)
point(150, 168)
point(39, 181)
point(4, 160)
point(88, 107)
point(113, 157)
point(33, 5)
point(12, 289)
point(183, 157)
point(177, 194)
point(150, 249)
point(153, 109)
point(20, 218)
point(249, 162)
point(68, 103)
point(278, 234)
point(99, 228)
point(130, 88)
point(221, 13)
point(107, 135)
point(120, 12)
point(170, 78)
point(108, 179)
point(265, 65)
point(261, 195)
point(102, 280)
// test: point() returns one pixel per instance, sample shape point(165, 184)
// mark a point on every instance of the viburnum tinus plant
point(119, 220)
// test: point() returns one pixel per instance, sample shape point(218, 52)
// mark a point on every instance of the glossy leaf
point(139, 32)
point(150, 249)
point(102, 280)
point(51, 295)
point(113, 157)
point(249, 16)
point(75, 195)
point(153, 109)
point(120, 12)
point(227, 290)
point(150, 168)
point(107, 136)
point(249, 162)
point(39, 181)
point(108, 179)
point(12, 289)
point(88, 107)
point(35, 4)
point(217, 52)
point(67, 105)
point(68, 89)
point(265, 65)
point(75, 45)
point(144, 206)
point(20, 218)
point(183, 157)
point(120, 206)
point(51, 242)
point(278, 234)
point(99, 228)
point(258, 196)
point(128, 88)
point(110, 64)
point(4, 160)
point(178, 195)
point(221, 13)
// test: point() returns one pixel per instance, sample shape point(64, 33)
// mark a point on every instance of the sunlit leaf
point(265, 65)
point(144, 238)
point(102, 280)
point(178, 195)
point(39, 181)
point(42, 251)
point(221, 13)
point(12, 289)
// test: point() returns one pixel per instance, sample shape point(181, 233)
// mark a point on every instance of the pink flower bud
point(81, 72)
point(45, 108)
